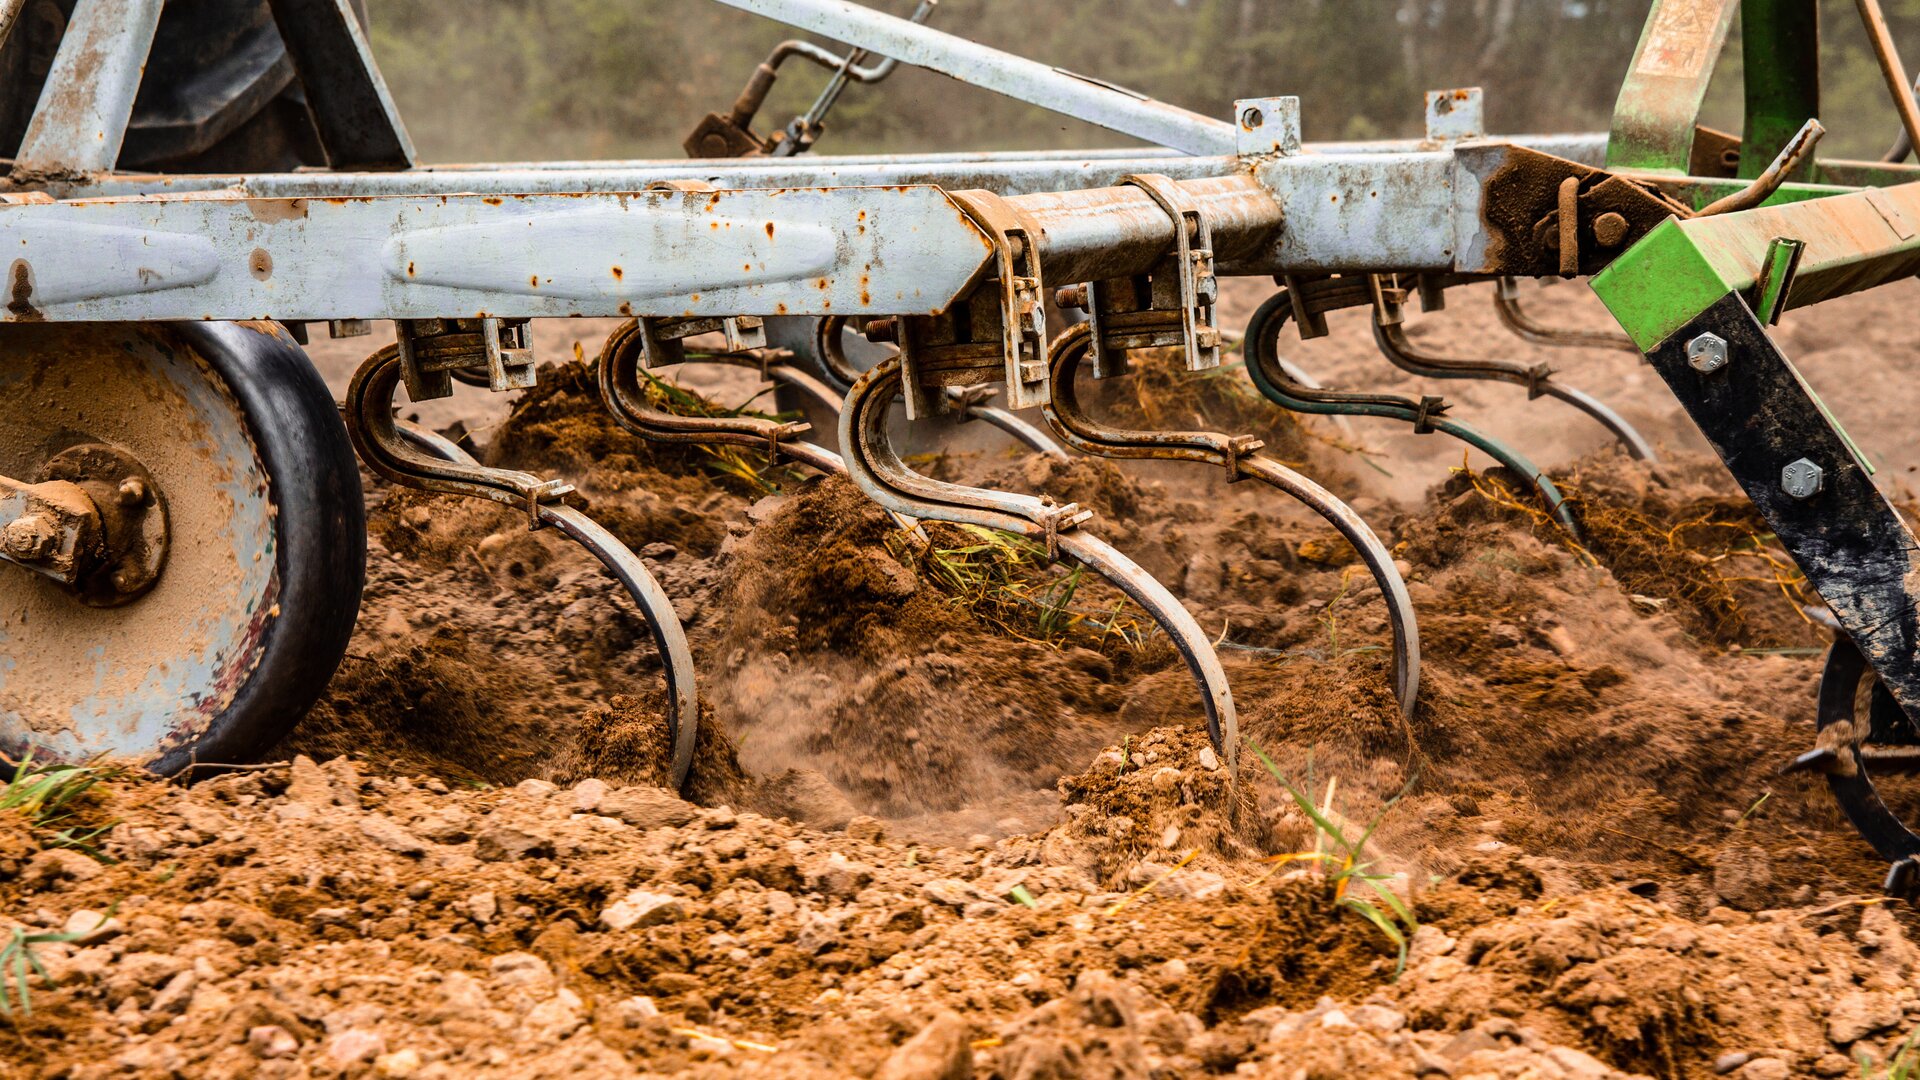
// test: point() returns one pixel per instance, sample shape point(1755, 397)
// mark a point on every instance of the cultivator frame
point(1697, 241)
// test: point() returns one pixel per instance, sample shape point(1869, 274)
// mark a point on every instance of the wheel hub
point(96, 523)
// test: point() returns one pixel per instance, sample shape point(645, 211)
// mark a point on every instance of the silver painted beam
point(81, 118)
point(861, 250)
point(1004, 173)
point(662, 253)
point(1003, 73)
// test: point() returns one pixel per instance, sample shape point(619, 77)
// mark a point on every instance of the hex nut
point(1707, 353)
point(1802, 479)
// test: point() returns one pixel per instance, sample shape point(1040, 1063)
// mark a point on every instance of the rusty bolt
point(1610, 229)
point(30, 536)
point(1802, 479)
point(1071, 296)
point(879, 330)
point(1707, 353)
point(127, 579)
point(133, 492)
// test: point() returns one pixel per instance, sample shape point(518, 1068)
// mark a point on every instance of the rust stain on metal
point(769, 230)
point(619, 274)
point(271, 210)
point(260, 264)
point(20, 293)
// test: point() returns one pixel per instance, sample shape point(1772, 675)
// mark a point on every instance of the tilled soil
point(947, 820)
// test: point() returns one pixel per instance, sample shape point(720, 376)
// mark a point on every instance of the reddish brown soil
point(933, 839)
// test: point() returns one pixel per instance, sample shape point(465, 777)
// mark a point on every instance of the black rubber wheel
point(267, 558)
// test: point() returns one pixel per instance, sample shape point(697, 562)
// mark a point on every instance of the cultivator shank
point(966, 265)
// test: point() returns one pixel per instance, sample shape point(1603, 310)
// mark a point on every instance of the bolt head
point(1707, 353)
point(1610, 229)
point(1802, 479)
point(133, 492)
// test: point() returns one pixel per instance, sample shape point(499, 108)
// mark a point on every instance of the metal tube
point(1890, 67)
point(1116, 231)
point(1797, 151)
point(1003, 172)
point(1003, 73)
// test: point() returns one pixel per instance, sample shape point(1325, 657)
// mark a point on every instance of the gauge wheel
point(212, 656)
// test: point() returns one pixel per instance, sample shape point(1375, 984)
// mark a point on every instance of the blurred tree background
point(546, 79)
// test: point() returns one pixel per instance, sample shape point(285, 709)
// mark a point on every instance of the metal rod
point(1798, 149)
point(1890, 67)
point(1003, 73)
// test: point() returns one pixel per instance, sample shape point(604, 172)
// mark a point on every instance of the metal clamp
point(1023, 316)
point(433, 352)
point(1192, 266)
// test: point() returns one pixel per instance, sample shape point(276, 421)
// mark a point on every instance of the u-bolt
point(1389, 331)
point(1263, 366)
point(1238, 455)
point(413, 458)
point(876, 468)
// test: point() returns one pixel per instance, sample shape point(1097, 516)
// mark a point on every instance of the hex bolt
point(1707, 353)
point(30, 537)
point(1802, 479)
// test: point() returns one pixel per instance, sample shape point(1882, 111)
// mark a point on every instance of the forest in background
point(553, 79)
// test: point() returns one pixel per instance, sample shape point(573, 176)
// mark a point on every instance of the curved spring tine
point(1237, 456)
point(966, 403)
point(833, 359)
point(876, 468)
point(619, 379)
point(412, 457)
point(1391, 336)
point(618, 372)
point(1262, 349)
point(823, 395)
point(1506, 301)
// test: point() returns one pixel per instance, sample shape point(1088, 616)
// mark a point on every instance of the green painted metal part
point(1659, 104)
point(1853, 242)
point(1780, 40)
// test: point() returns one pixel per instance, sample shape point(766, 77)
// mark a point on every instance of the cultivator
point(180, 499)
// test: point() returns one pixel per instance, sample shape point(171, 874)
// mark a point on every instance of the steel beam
point(1803, 475)
point(1780, 41)
point(1053, 88)
point(1653, 122)
point(812, 251)
point(1853, 242)
point(81, 118)
point(358, 124)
